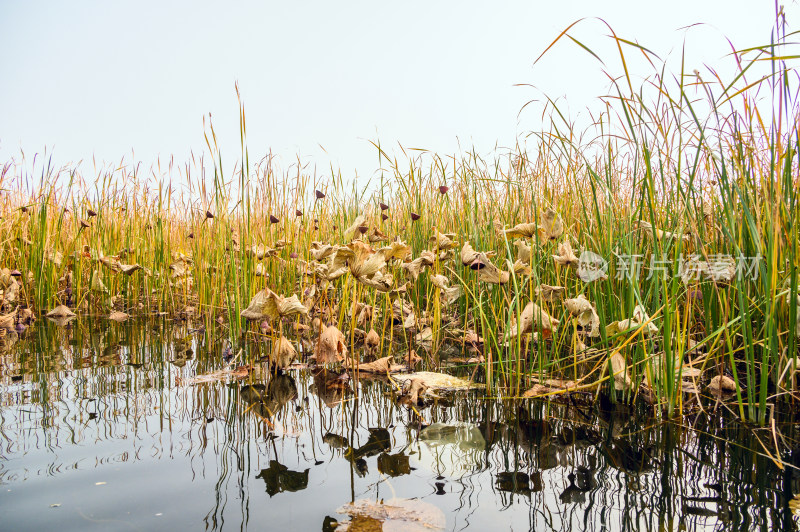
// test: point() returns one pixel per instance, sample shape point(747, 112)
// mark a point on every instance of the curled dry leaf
point(524, 251)
point(438, 381)
point(61, 311)
point(451, 294)
point(355, 229)
point(468, 255)
point(117, 316)
point(411, 515)
point(439, 281)
point(380, 366)
point(112, 263)
point(532, 318)
point(639, 318)
point(56, 257)
point(721, 384)
point(425, 338)
point(585, 314)
point(7, 320)
point(549, 387)
point(398, 250)
point(377, 236)
point(283, 353)
point(380, 281)
point(330, 347)
point(522, 268)
point(443, 241)
point(255, 310)
point(130, 269)
point(566, 257)
point(415, 267)
point(97, 283)
point(277, 307)
point(372, 340)
point(550, 293)
point(490, 273)
point(659, 234)
point(619, 370)
point(524, 230)
point(320, 251)
point(552, 226)
point(259, 251)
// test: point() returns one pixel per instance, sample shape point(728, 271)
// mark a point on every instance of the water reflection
point(107, 423)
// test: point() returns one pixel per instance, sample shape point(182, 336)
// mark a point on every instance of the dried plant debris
point(410, 515)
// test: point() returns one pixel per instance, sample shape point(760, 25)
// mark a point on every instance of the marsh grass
point(711, 162)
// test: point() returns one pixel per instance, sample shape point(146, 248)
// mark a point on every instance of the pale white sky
point(101, 78)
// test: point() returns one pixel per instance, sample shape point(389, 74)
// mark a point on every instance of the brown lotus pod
point(84, 224)
point(298, 212)
point(320, 194)
point(90, 213)
point(384, 217)
point(23, 209)
point(16, 273)
point(191, 235)
point(273, 219)
point(384, 207)
point(415, 216)
point(363, 229)
point(443, 189)
point(209, 215)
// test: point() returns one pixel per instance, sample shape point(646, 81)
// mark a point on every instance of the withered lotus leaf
point(443, 241)
point(639, 318)
point(320, 251)
point(283, 353)
point(619, 369)
point(372, 340)
point(566, 257)
point(97, 283)
point(658, 233)
point(398, 250)
point(722, 384)
point(331, 347)
point(255, 310)
point(522, 268)
point(61, 311)
point(352, 231)
point(524, 251)
point(523, 230)
point(550, 293)
point(552, 226)
point(117, 316)
point(490, 273)
point(585, 314)
point(439, 281)
point(382, 365)
point(277, 307)
point(532, 318)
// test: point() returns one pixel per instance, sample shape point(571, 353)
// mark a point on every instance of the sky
point(320, 80)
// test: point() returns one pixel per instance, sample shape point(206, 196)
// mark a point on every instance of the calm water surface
point(102, 427)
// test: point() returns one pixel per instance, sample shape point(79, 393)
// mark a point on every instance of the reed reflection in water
point(106, 427)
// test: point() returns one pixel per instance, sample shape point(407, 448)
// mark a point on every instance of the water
point(103, 429)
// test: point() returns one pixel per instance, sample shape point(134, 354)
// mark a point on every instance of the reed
point(678, 175)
